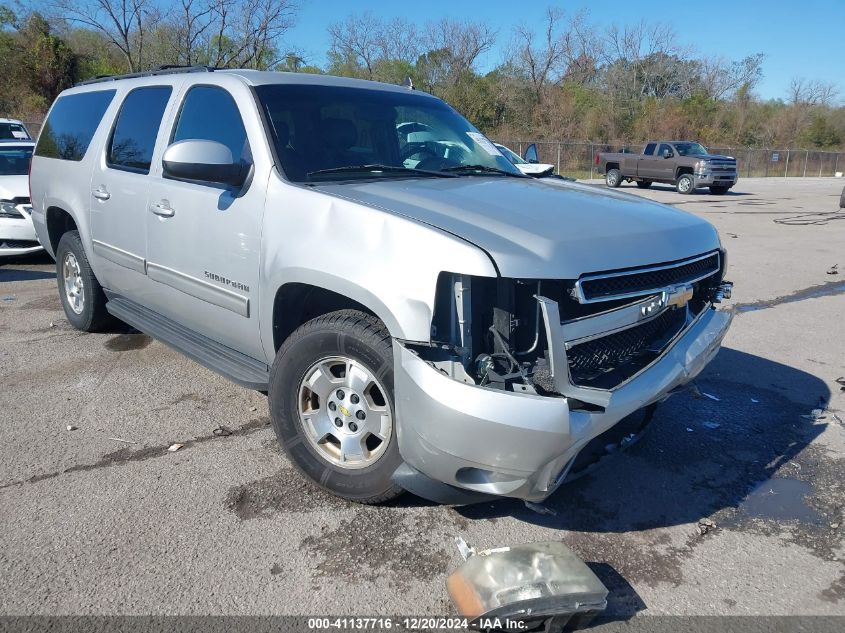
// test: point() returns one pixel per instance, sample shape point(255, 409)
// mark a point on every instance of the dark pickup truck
point(684, 164)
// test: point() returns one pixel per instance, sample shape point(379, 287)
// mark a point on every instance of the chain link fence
point(578, 158)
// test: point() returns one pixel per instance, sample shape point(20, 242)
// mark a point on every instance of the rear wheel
point(83, 299)
point(332, 405)
point(613, 178)
point(685, 184)
point(643, 184)
point(719, 190)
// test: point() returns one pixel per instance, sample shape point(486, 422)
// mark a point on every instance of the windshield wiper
point(466, 169)
point(376, 167)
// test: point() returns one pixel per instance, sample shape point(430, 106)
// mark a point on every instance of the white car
point(12, 129)
point(17, 234)
point(526, 167)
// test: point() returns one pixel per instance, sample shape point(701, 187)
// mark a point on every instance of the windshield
point(691, 149)
point(13, 131)
point(511, 156)
point(338, 133)
point(14, 161)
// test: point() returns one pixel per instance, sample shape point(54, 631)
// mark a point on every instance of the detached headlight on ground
point(8, 210)
point(526, 587)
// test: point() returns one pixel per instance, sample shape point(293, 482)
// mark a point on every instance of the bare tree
point(122, 22)
point(542, 61)
point(462, 42)
point(357, 39)
point(803, 92)
point(721, 78)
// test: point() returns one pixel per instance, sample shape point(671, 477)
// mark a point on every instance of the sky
point(800, 38)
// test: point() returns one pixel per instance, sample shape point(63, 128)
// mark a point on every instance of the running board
point(237, 367)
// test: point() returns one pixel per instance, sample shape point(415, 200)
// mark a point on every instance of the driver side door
point(203, 239)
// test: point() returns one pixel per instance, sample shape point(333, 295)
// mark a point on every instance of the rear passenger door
point(120, 188)
point(204, 238)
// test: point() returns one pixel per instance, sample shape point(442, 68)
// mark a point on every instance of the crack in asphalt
point(813, 292)
point(127, 455)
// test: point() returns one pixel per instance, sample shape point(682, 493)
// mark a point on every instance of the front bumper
point(17, 235)
point(721, 179)
point(520, 445)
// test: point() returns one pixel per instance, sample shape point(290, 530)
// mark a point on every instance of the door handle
point(100, 193)
point(163, 209)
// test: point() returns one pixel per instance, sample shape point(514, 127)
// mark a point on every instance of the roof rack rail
point(160, 70)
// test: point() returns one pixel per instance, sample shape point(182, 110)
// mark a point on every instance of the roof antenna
point(409, 83)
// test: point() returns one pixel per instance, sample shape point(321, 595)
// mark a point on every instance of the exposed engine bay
point(574, 338)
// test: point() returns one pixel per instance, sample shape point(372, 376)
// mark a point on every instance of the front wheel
point(332, 405)
point(685, 184)
point(82, 297)
point(613, 178)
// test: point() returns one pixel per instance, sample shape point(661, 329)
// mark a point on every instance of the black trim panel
point(237, 367)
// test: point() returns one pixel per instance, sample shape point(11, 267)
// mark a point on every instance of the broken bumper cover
point(502, 443)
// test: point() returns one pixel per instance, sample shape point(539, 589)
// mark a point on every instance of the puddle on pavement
point(127, 342)
point(780, 500)
point(813, 292)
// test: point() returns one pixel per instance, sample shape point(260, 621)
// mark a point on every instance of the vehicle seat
point(339, 135)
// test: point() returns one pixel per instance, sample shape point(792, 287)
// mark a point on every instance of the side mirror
point(205, 161)
point(531, 155)
point(667, 153)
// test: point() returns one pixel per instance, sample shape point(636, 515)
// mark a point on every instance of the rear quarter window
point(71, 125)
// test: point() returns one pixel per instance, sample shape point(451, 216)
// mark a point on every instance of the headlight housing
point(9, 210)
point(702, 166)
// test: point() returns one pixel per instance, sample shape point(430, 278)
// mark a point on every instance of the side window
point(649, 149)
point(663, 148)
point(210, 114)
point(74, 119)
point(134, 135)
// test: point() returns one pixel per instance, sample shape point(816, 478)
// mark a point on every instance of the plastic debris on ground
point(711, 396)
point(705, 526)
point(71, 427)
point(711, 425)
point(536, 586)
point(833, 270)
point(175, 447)
point(120, 439)
point(222, 431)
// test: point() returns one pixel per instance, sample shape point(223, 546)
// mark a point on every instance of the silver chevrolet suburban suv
point(422, 316)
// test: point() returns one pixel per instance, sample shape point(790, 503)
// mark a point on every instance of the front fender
point(386, 262)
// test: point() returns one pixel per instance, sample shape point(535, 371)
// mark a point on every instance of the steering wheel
point(419, 151)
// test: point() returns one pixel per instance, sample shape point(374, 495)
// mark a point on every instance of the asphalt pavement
point(731, 504)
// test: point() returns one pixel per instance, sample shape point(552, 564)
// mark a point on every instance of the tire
point(82, 297)
point(643, 184)
point(685, 184)
point(613, 178)
point(718, 190)
point(318, 373)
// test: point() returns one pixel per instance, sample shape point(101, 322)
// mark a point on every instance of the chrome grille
point(641, 281)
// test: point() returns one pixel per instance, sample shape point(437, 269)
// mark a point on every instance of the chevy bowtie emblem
point(676, 297)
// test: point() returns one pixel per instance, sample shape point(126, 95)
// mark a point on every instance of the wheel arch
point(680, 171)
point(59, 221)
point(297, 302)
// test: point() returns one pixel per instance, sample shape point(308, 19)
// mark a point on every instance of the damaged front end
point(521, 374)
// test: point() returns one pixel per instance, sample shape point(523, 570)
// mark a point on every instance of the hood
point(533, 229)
point(14, 187)
point(713, 157)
